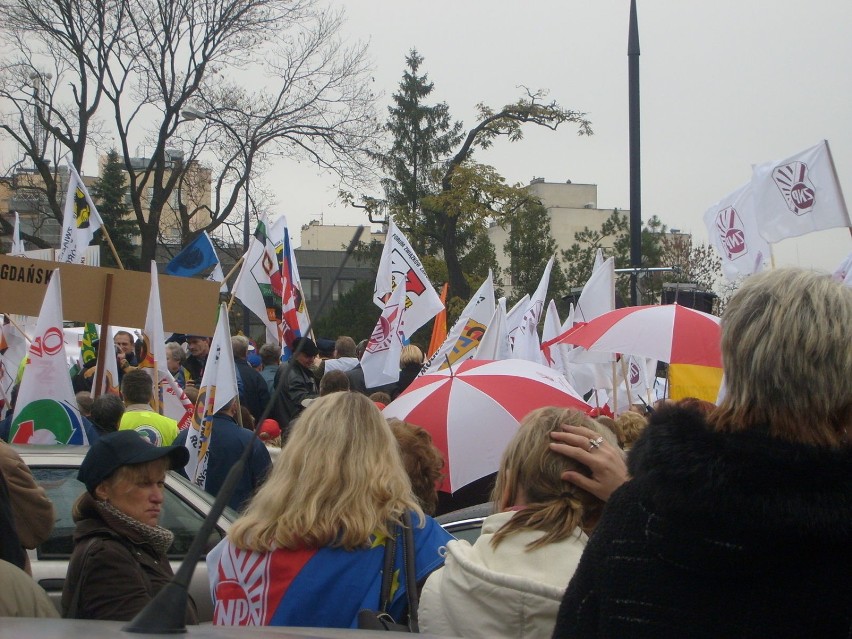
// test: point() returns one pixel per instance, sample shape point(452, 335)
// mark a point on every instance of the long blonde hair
point(338, 480)
point(787, 356)
point(553, 506)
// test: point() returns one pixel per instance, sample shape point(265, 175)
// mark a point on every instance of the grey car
point(185, 506)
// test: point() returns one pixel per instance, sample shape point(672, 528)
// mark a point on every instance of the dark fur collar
point(747, 485)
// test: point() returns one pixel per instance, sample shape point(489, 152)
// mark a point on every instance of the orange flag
point(439, 329)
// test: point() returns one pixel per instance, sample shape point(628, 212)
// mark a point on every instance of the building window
point(311, 289)
point(341, 287)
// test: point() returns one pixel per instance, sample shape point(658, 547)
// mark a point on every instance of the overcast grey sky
point(724, 85)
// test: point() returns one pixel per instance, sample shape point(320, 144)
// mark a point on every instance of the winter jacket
point(227, 442)
point(254, 393)
point(31, 508)
point(507, 591)
point(719, 535)
point(20, 596)
point(114, 565)
point(298, 385)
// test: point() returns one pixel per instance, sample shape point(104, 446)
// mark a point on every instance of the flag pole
point(100, 371)
point(19, 329)
point(233, 270)
point(111, 246)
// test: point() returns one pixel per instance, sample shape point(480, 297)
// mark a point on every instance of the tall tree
point(110, 193)
point(472, 193)
point(423, 137)
point(142, 65)
point(530, 245)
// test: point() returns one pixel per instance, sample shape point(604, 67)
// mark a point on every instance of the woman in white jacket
point(511, 581)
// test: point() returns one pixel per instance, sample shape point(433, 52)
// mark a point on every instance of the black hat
point(123, 447)
point(307, 346)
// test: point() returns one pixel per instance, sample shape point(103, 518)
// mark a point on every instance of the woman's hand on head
point(609, 470)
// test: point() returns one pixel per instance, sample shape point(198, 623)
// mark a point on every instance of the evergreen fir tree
point(424, 136)
point(529, 246)
point(109, 193)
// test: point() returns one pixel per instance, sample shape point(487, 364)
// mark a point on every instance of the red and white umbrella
point(671, 333)
point(473, 411)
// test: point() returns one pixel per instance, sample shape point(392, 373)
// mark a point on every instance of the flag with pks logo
point(46, 411)
point(798, 195)
point(400, 265)
point(218, 387)
point(732, 229)
point(80, 220)
point(381, 356)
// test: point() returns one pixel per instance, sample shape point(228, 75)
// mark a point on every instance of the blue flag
point(198, 256)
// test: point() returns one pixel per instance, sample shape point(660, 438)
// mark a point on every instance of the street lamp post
point(193, 114)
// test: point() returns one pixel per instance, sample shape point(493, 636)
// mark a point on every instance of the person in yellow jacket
point(137, 391)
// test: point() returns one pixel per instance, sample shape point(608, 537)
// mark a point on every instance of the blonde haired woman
point(738, 523)
point(410, 363)
point(309, 549)
point(510, 582)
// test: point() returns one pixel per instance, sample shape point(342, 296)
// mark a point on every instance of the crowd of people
point(686, 519)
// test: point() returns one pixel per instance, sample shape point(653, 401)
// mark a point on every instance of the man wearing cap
point(226, 446)
point(198, 347)
point(137, 390)
point(299, 388)
point(119, 562)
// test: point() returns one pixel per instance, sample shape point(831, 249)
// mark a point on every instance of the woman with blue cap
point(119, 561)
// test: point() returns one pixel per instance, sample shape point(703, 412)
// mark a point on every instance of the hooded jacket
point(507, 591)
point(719, 535)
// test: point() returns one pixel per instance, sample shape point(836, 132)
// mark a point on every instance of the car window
point(63, 489)
point(468, 531)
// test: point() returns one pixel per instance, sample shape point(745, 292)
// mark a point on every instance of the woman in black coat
point(119, 561)
point(740, 524)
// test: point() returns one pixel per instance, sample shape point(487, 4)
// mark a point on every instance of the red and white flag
point(798, 195)
point(399, 264)
point(732, 228)
point(381, 357)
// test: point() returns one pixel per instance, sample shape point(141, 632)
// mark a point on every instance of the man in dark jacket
point(254, 394)
point(227, 443)
point(198, 347)
point(298, 388)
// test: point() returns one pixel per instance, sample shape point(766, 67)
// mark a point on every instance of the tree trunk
point(458, 286)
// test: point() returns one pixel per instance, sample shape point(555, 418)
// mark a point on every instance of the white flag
point(173, 400)
point(465, 335)
point(46, 411)
point(381, 356)
point(399, 264)
point(798, 195)
point(259, 278)
point(80, 220)
point(555, 355)
point(17, 243)
point(218, 276)
point(494, 344)
point(524, 338)
point(844, 271)
point(109, 378)
point(218, 387)
point(732, 229)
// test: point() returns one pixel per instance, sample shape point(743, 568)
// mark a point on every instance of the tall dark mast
point(635, 161)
